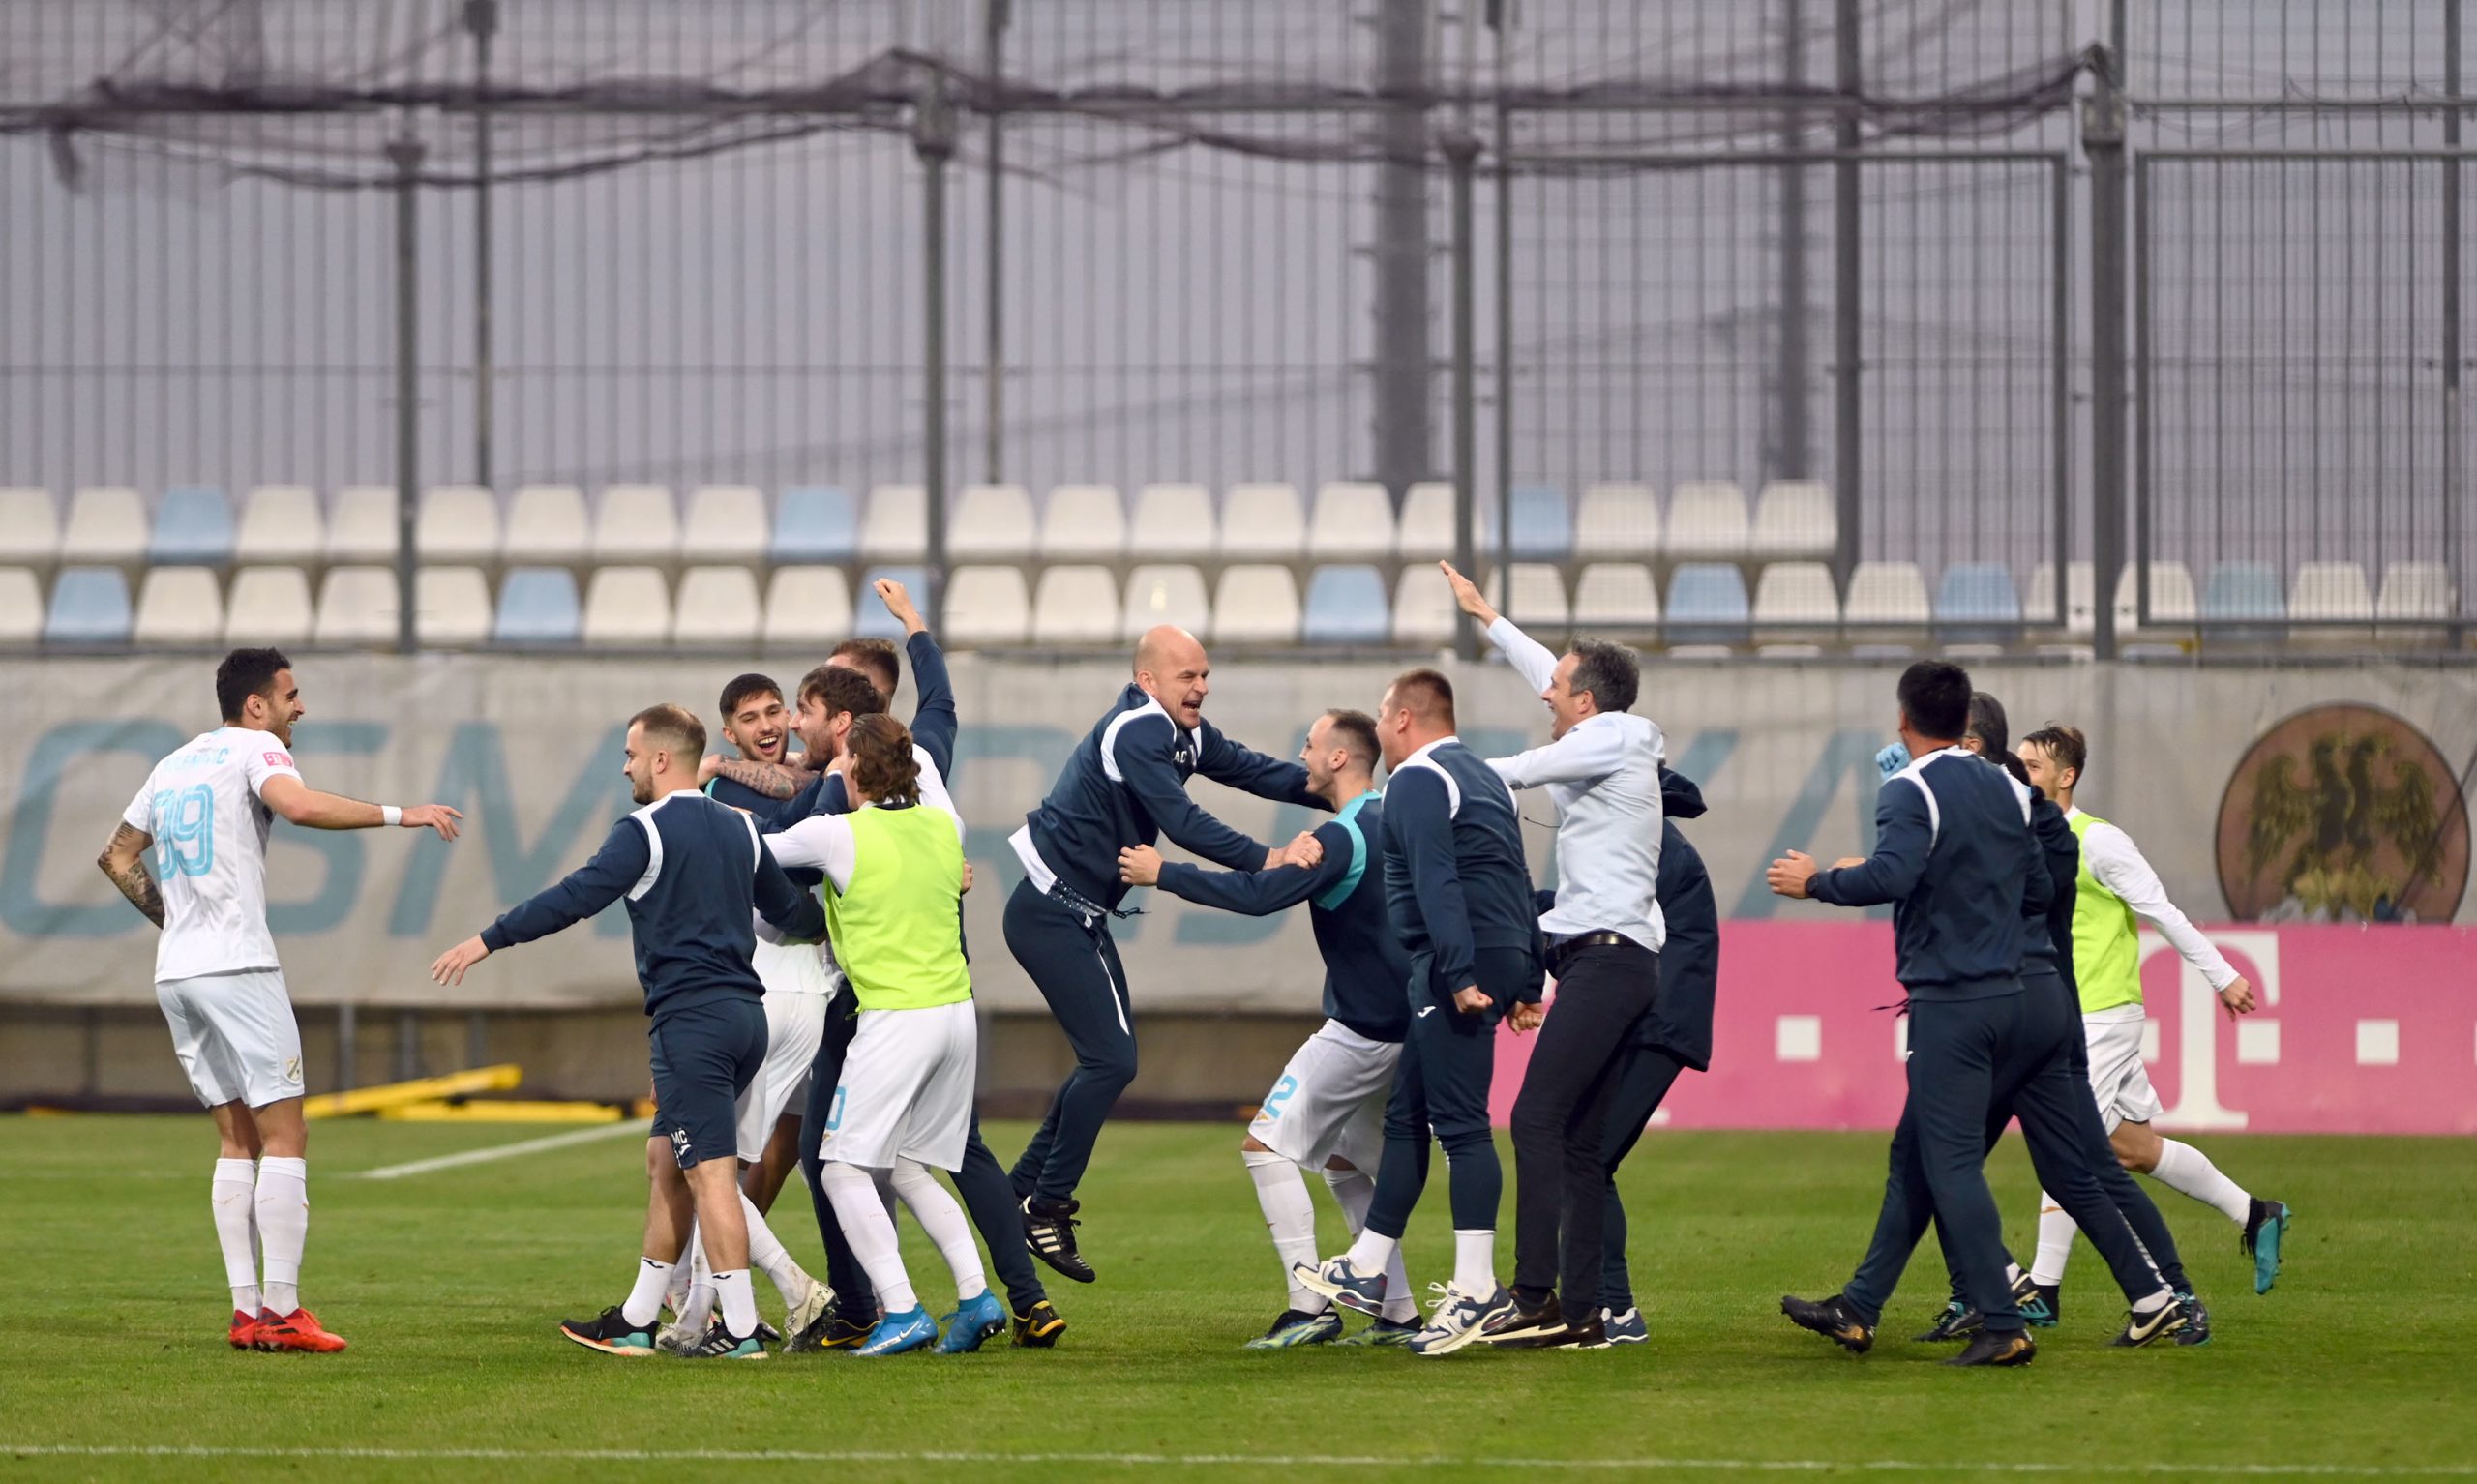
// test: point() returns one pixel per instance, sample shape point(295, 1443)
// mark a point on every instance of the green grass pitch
point(448, 1285)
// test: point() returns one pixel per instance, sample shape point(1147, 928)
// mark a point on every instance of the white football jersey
point(201, 805)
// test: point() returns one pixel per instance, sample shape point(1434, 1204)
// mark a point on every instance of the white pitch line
point(1239, 1460)
point(498, 1151)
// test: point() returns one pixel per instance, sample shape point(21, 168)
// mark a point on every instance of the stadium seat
point(29, 527)
point(1706, 522)
point(990, 522)
point(1538, 600)
point(815, 523)
point(1351, 521)
point(1425, 531)
point(20, 606)
point(1261, 522)
point(2243, 592)
point(362, 527)
point(870, 618)
point(193, 526)
point(537, 606)
point(1890, 594)
point(180, 607)
point(2414, 591)
point(547, 524)
point(1615, 595)
point(1977, 593)
point(1796, 595)
point(1085, 523)
point(1707, 605)
point(808, 605)
point(1617, 522)
point(2080, 610)
point(1544, 523)
point(106, 524)
point(2172, 596)
point(356, 605)
point(894, 528)
point(1255, 605)
point(1173, 521)
point(1164, 594)
point(986, 605)
point(283, 524)
point(459, 525)
point(636, 524)
point(1346, 605)
point(627, 606)
point(89, 605)
point(725, 523)
point(718, 606)
point(452, 606)
point(2330, 592)
point(1794, 518)
point(1423, 611)
point(1076, 605)
point(268, 606)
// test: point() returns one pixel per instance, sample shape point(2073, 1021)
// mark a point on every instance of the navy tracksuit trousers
point(1440, 1086)
point(1074, 962)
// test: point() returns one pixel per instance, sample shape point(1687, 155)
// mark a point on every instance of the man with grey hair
point(1601, 769)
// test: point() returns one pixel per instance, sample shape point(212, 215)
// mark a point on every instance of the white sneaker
point(1458, 1317)
point(680, 1338)
point(1335, 1279)
point(809, 1310)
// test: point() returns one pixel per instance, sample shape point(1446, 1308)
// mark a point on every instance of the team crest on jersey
point(292, 1069)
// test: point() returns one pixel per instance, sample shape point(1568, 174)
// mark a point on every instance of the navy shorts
point(704, 1057)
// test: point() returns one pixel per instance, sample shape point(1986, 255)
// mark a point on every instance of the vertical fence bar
point(2450, 310)
point(934, 139)
point(2145, 487)
point(2103, 140)
point(1501, 21)
point(482, 18)
point(1794, 455)
point(405, 155)
point(1848, 338)
point(1462, 154)
point(994, 56)
point(1404, 446)
point(2060, 370)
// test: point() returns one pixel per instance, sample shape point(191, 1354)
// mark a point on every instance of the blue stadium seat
point(1977, 593)
point(89, 605)
point(2243, 592)
point(1544, 523)
point(1346, 605)
point(193, 527)
point(1707, 605)
point(816, 524)
point(538, 606)
point(869, 616)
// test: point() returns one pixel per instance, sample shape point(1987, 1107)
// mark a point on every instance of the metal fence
point(928, 241)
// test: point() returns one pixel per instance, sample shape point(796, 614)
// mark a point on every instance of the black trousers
point(1644, 1075)
point(1441, 1087)
point(981, 1182)
point(1561, 1119)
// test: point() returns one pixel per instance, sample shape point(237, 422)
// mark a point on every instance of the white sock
point(236, 1229)
point(2056, 1231)
point(1475, 1262)
point(696, 1309)
point(870, 1231)
point(739, 1302)
point(1369, 1253)
point(943, 1219)
point(2013, 1273)
point(645, 1301)
point(2184, 1169)
point(1354, 1190)
point(284, 1229)
point(1281, 1194)
point(767, 1255)
point(2155, 1302)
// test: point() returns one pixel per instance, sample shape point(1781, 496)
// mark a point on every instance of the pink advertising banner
point(2361, 1030)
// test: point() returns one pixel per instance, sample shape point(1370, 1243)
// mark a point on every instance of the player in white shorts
point(1326, 1112)
point(205, 812)
point(894, 880)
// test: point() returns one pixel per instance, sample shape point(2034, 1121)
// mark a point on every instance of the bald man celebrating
point(1125, 784)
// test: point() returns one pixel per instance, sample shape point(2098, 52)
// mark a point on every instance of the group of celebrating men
point(797, 931)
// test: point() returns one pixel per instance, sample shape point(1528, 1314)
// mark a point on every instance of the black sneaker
point(1592, 1334)
point(832, 1330)
point(2197, 1327)
point(2051, 1299)
point(610, 1333)
point(720, 1344)
point(1998, 1346)
point(1834, 1319)
point(1039, 1328)
point(1522, 1326)
point(1049, 1233)
point(1957, 1321)
point(2142, 1329)
point(2031, 1305)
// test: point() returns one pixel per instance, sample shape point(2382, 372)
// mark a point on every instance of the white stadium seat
point(451, 606)
point(547, 526)
point(1794, 518)
point(1616, 594)
point(362, 527)
point(1617, 520)
point(282, 523)
point(2080, 607)
point(107, 527)
point(1706, 522)
point(460, 523)
point(1799, 595)
point(635, 523)
point(1538, 594)
point(1173, 521)
point(987, 605)
point(1076, 605)
point(2330, 591)
point(29, 527)
point(178, 607)
point(356, 605)
point(1425, 530)
point(990, 522)
point(2416, 590)
point(1351, 521)
point(717, 606)
point(1263, 523)
point(2172, 600)
point(20, 606)
point(1256, 604)
point(894, 527)
point(1423, 612)
point(1084, 522)
point(807, 606)
point(268, 606)
point(1893, 593)
point(628, 605)
point(1164, 594)
point(725, 523)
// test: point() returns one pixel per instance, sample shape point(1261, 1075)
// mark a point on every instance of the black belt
point(1566, 948)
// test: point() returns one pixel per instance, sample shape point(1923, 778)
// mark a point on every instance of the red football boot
point(299, 1330)
point(243, 1333)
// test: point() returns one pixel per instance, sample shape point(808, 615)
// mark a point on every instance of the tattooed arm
point(124, 860)
point(774, 780)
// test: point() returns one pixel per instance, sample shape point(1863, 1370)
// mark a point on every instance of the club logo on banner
point(2343, 813)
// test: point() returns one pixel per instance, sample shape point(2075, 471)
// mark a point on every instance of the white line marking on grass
point(1240, 1460)
point(498, 1151)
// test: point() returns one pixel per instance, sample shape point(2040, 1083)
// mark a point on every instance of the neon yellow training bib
point(898, 926)
point(2106, 942)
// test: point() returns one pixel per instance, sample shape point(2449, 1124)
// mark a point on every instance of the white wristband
point(389, 814)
